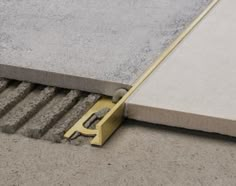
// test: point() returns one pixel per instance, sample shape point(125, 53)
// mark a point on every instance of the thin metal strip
point(106, 127)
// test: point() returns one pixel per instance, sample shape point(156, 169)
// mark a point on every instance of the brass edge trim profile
point(114, 118)
point(79, 126)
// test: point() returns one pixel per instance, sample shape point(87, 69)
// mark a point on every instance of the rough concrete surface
point(24, 111)
point(195, 86)
point(38, 111)
point(97, 46)
point(56, 133)
point(10, 98)
point(138, 154)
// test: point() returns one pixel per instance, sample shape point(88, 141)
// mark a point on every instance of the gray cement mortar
point(97, 46)
point(137, 154)
point(3, 84)
point(43, 112)
point(56, 133)
point(26, 109)
point(9, 99)
point(42, 122)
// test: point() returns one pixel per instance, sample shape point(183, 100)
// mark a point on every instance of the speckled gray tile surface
point(90, 45)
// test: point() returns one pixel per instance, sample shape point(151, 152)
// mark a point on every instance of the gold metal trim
point(106, 127)
point(79, 126)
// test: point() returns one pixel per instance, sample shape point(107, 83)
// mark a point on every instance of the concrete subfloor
point(137, 154)
point(96, 46)
point(195, 86)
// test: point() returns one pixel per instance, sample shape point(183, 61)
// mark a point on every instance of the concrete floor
point(138, 154)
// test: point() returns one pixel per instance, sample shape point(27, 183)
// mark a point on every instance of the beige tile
point(195, 87)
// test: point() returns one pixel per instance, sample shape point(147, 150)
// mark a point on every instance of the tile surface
point(96, 46)
point(195, 86)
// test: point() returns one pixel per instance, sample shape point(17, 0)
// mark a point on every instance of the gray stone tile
point(96, 46)
point(194, 87)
